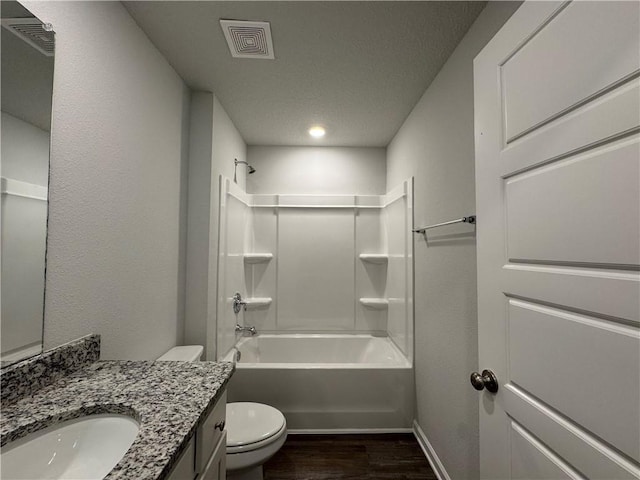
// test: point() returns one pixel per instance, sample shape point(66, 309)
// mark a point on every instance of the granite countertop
point(169, 399)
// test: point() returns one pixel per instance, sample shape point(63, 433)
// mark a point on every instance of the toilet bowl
point(255, 432)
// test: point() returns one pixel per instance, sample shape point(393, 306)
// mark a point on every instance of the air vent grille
point(32, 31)
point(248, 39)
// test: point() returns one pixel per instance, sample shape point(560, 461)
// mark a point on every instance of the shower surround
point(307, 265)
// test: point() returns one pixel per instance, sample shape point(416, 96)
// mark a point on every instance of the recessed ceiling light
point(317, 131)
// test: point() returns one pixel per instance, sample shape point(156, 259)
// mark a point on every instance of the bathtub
point(326, 383)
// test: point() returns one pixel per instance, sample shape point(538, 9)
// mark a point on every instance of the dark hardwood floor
point(349, 457)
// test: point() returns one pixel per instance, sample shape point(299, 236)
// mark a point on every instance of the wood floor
point(349, 457)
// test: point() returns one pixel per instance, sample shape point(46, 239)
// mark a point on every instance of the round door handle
point(220, 425)
point(487, 380)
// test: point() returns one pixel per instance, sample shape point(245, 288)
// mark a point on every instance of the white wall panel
point(316, 269)
point(597, 290)
point(597, 460)
point(235, 225)
point(547, 346)
point(261, 277)
point(559, 226)
point(582, 126)
point(397, 227)
point(571, 74)
point(371, 278)
point(312, 276)
point(530, 460)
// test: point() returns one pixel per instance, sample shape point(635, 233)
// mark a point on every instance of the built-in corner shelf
point(257, 257)
point(375, 303)
point(258, 302)
point(378, 258)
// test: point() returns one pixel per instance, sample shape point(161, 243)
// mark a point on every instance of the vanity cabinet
point(184, 469)
point(205, 456)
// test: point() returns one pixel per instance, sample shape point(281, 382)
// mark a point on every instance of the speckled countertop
point(169, 399)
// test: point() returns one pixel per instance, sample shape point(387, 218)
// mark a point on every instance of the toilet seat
point(257, 445)
point(251, 426)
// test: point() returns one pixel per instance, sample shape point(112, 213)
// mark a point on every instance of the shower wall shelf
point(258, 302)
point(375, 303)
point(378, 258)
point(257, 257)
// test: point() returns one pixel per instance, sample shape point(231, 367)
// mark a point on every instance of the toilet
point(255, 432)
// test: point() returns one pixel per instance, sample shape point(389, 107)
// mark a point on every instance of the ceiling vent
point(248, 39)
point(32, 31)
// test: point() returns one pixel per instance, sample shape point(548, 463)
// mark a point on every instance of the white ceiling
point(357, 68)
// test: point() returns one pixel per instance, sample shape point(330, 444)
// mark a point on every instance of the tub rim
point(405, 363)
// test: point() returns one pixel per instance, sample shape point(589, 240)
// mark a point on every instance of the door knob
point(487, 380)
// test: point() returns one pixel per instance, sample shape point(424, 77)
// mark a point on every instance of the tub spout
point(241, 329)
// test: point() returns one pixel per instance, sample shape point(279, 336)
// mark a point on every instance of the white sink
point(85, 448)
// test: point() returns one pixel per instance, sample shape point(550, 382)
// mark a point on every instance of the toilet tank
point(186, 353)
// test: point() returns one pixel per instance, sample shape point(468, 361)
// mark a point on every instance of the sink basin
point(82, 448)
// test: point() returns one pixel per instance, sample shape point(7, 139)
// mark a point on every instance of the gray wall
point(317, 170)
point(214, 144)
point(118, 178)
point(435, 144)
point(199, 204)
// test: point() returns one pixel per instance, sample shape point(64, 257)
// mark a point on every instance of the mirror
point(27, 85)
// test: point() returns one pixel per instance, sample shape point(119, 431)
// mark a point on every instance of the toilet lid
point(249, 422)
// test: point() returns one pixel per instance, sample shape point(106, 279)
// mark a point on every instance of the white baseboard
point(430, 453)
point(346, 431)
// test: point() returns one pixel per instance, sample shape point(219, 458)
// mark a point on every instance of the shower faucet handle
point(238, 303)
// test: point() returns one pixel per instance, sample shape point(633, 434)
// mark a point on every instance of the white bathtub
point(326, 382)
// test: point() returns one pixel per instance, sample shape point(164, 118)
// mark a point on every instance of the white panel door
point(557, 132)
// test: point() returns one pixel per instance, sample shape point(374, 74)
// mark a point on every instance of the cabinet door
point(217, 467)
point(210, 433)
point(184, 469)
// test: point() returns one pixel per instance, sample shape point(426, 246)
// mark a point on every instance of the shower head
point(250, 169)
